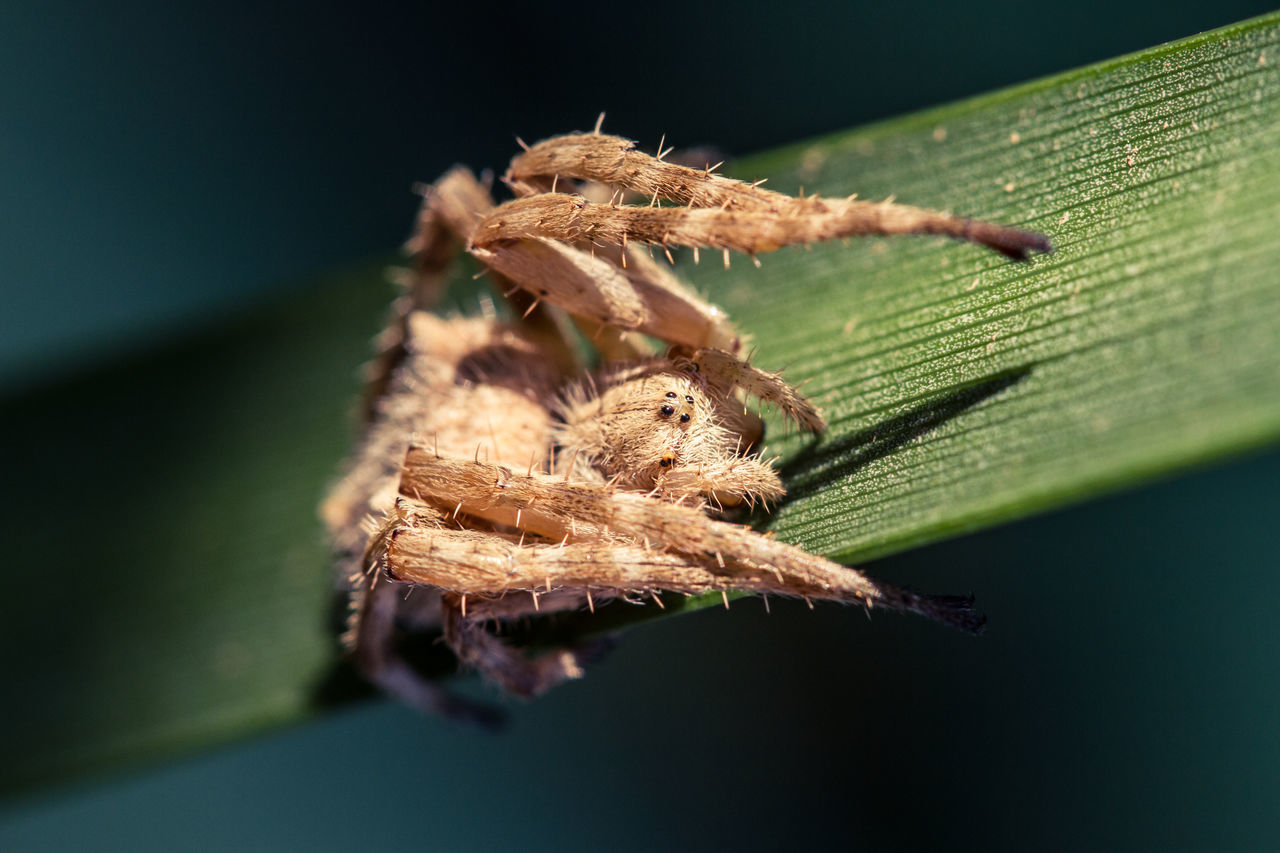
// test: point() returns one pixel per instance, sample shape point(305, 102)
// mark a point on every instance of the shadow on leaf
point(823, 463)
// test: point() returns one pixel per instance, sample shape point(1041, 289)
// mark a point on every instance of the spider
point(500, 477)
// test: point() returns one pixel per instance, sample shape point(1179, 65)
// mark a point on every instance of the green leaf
point(169, 585)
point(963, 390)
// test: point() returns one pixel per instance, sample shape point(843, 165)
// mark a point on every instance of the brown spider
point(500, 477)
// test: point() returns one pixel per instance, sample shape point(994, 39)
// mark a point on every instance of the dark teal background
point(1125, 697)
point(166, 166)
point(165, 162)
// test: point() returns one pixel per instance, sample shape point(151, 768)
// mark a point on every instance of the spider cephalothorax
point(502, 477)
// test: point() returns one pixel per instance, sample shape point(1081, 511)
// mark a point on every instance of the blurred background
point(170, 163)
point(169, 167)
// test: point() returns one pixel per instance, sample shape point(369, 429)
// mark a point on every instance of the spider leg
point(414, 547)
point(776, 219)
point(614, 161)
point(377, 614)
point(450, 210)
point(536, 242)
point(491, 569)
point(727, 372)
point(725, 483)
point(375, 652)
point(598, 290)
point(554, 509)
point(750, 231)
point(448, 213)
point(645, 275)
point(491, 577)
point(521, 674)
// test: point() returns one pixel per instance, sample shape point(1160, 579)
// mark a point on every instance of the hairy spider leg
point(614, 161)
point(552, 508)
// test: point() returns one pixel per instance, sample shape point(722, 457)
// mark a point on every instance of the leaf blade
point(1144, 337)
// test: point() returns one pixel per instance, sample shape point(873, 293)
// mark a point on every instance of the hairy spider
point(499, 477)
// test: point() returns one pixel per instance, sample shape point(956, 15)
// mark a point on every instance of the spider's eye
point(671, 394)
point(666, 461)
point(689, 400)
point(667, 411)
point(684, 419)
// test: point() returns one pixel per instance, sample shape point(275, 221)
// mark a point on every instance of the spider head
point(676, 416)
point(666, 430)
point(677, 409)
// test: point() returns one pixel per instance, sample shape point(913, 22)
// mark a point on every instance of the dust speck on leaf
point(812, 161)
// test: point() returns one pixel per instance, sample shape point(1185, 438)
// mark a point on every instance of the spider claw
point(954, 610)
